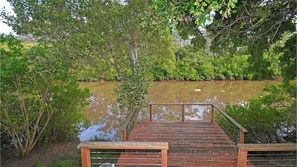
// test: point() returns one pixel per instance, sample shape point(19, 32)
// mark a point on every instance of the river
point(105, 122)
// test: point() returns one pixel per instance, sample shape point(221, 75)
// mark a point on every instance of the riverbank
point(46, 154)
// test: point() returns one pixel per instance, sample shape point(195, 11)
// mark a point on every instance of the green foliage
point(232, 67)
point(171, 13)
point(198, 65)
point(94, 38)
point(271, 117)
point(63, 163)
point(132, 93)
point(288, 62)
point(255, 25)
point(39, 100)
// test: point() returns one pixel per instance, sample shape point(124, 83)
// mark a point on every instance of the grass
point(63, 163)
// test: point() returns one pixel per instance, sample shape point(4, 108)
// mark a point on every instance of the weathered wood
point(85, 157)
point(242, 157)
point(192, 143)
point(268, 147)
point(124, 145)
point(241, 137)
point(244, 148)
point(212, 114)
point(124, 135)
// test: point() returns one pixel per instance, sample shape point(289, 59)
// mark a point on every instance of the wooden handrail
point(177, 104)
point(224, 113)
point(268, 147)
point(231, 120)
point(244, 148)
point(242, 130)
point(86, 146)
point(181, 104)
point(124, 145)
point(125, 125)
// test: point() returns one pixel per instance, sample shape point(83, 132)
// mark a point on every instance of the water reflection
point(106, 120)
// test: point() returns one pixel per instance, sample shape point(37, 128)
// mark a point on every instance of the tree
point(255, 24)
point(108, 32)
point(35, 91)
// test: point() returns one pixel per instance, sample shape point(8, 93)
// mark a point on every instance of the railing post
point(183, 113)
point(124, 135)
point(241, 137)
point(85, 157)
point(242, 157)
point(212, 113)
point(164, 157)
point(151, 115)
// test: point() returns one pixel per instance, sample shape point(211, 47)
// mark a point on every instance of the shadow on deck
point(191, 143)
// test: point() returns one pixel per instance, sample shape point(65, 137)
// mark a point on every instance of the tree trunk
point(133, 55)
point(133, 52)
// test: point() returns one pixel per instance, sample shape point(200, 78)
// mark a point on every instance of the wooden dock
point(191, 143)
point(184, 143)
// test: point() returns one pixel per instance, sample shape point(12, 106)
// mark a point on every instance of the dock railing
point(128, 125)
point(131, 154)
point(280, 158)
point(233, 129)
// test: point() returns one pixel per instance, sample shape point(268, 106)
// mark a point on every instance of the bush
point(270, 117)
point(39, 100)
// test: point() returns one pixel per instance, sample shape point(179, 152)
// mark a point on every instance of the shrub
point(38, 97)
point(271, 117)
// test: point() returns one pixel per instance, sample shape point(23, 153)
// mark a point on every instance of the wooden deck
point(191, 143)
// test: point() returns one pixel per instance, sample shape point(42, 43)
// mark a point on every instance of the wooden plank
point(124, 145)
point(268, 147)
point(193, 143)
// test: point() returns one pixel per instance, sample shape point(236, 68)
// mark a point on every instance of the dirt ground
point(43, 154)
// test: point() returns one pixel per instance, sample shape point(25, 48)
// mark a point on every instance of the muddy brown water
point(105, 121)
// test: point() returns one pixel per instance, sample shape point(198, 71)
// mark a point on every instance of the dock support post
point(124, 135)
point(242, 157)
point(151, 114)
point(164, 157)
point(183, 113)
point(85, 157)
point(241, 138)
point(212, 113)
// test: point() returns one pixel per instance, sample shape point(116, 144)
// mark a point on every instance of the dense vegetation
point(270, 118)
point(188, 64)
point(40, 102)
